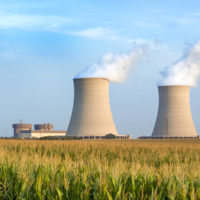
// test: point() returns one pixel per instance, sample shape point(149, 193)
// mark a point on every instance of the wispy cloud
point(96, 33)
point(102, 33)
point(55, 24)
point(58, 24)
point(32, 22)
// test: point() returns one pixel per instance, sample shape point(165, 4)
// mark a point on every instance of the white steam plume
point(114, 67)
point(185, 71)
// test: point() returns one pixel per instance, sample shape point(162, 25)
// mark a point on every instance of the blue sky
point(43, 44)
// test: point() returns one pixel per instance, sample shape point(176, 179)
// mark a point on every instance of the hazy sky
point(44, 44)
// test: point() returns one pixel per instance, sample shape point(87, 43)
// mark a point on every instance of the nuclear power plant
point(174, 117)
point(91, 114)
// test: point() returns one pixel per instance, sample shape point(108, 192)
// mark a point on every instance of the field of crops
point(100, 170)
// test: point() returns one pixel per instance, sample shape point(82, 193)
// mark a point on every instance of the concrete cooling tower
point(91, 115)
point(174, 117)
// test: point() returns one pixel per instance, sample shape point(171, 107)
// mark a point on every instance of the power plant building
point(41, 130)
point(91, 115)
point(174, 118)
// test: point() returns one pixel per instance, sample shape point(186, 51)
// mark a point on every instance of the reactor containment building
point(174, 118)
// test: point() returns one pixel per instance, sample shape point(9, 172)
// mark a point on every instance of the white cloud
point(32, 22)
point(55, 24)
point(58, 24)
point(96, 33)
point(102, 33)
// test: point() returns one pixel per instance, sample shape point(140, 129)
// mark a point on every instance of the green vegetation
point(100, 170)
point(56, 138)
point(110, 136)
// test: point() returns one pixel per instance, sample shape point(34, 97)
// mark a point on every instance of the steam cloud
point(114, 67)
point(185, 71)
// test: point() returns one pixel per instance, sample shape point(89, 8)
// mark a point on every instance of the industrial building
point(174, 118)
point(91, 115)
point(40, 130)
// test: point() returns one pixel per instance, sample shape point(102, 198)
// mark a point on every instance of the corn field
point(100, 170)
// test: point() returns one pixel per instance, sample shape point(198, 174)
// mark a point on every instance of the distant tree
point(110, 136)
point(59, 138)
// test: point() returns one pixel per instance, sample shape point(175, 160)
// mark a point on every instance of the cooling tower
point(174, 117)
point(91, 114)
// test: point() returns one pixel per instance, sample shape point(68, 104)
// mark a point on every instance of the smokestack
point(174, 117)
point(91, 115)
